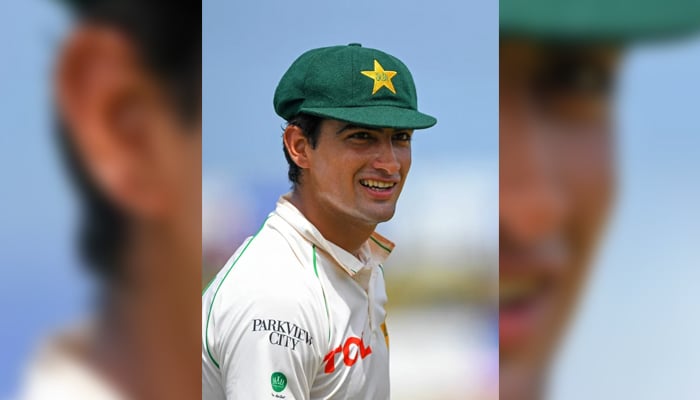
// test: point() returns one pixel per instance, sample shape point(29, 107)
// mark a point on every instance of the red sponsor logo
point(352, 350)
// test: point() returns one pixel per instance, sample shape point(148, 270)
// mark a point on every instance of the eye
point(402, 137)
point(575, 75)
point(575, 91)
point(576, 79)
point(360, 135)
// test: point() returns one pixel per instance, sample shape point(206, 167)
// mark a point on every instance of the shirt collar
point(372, 253)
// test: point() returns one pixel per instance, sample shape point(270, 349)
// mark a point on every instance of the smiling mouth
point(524, 306)
point(378, 186)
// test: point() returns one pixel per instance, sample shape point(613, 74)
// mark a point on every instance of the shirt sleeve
point(270, 345)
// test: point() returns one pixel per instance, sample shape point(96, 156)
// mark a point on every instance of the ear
point(108, 103)
point(297, 145)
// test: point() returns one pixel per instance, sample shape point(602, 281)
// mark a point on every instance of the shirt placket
point(370, 304)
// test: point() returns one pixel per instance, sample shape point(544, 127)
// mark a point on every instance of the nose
point(386, 159)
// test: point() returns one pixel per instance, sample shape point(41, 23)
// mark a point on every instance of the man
point(128, 99)
point(298, 311)
point(558, 66)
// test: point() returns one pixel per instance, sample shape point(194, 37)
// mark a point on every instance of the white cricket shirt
point(58, 371)
point(293, 316)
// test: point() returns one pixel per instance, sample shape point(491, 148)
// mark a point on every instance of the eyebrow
point(352, 126)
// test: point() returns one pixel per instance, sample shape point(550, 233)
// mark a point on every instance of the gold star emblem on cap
point(381, 77)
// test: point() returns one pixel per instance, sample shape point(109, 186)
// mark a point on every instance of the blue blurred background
point(637, 331)
point(42, 286)
point(442, 277)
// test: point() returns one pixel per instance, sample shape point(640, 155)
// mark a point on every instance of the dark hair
point(167, 36)
point(309, 125)
point(168, 40)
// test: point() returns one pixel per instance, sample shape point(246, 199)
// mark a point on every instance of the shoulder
point(265, 266)
point(58, 369)
point(267, 278)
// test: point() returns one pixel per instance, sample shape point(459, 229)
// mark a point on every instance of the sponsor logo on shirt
point(282, 333)
point(278, 381)
point(352, 350)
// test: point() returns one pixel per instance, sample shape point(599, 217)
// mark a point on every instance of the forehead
point(335, 127)
point(521, 58)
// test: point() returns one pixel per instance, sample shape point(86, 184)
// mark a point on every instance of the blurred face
point(128, 133)
point(145, 159)
point(357, 173)
point(556, 183)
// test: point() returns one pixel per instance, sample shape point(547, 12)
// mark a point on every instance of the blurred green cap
point(354, 84)
point(598, 20)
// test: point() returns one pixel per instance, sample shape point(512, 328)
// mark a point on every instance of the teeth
point(516, 290)
point(377, 184)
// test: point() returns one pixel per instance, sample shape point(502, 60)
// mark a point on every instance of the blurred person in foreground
point(298, 310)
point(127, 90)
point(558, 66)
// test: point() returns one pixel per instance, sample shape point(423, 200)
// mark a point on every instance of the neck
point(152, 319)
point(348, 233)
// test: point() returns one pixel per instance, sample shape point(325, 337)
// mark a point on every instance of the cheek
point(588, 164)
point(403, 156)
point(406, 163)
point(334, 170)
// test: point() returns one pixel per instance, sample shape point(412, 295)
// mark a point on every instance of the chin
point(374, 218)
point(384, 218)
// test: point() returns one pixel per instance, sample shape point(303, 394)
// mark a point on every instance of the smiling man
point(558, 66)
point(556, 186)
point(298, 310)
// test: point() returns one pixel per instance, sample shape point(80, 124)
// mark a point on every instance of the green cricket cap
point(354, 84)
point(598, 20)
